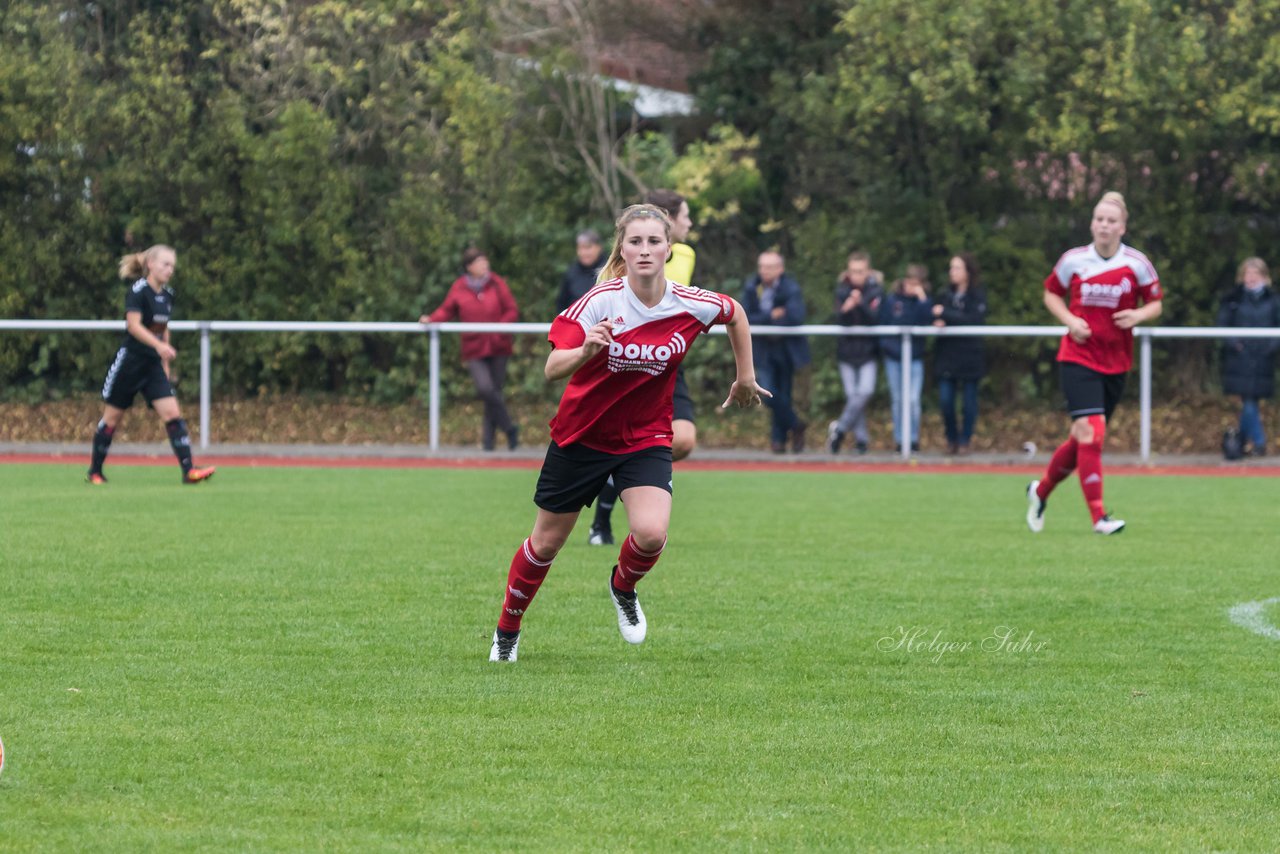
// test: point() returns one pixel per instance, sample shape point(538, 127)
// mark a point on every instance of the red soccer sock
point(1060, 467)
point(523, 580)
point(1090, 457)
point(633, 564)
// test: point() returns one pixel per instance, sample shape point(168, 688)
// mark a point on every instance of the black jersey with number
point(156, 310)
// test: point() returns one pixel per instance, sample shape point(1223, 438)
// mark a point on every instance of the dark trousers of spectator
point(947, 388)
point(489, 375)
point(776, 373)
point(1251, 423)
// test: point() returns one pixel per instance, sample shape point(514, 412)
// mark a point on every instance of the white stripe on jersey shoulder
point(1074, 254)
point(1130, 252)
point(577, 308)
point(698, 294)
point(139, 285)
point(1068, 258)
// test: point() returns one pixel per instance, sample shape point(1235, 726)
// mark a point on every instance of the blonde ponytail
point(131, 265)
point(136, 265)
point(616, 266)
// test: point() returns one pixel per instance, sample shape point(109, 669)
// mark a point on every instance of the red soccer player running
point(1104, 282)
point(620, 345)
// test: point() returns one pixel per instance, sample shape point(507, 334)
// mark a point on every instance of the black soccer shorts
point(130, 374)
point(1089, 392)
point(572, 476)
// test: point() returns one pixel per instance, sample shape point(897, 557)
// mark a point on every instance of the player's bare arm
point(562, 363)
point(168, 362)
point(1077, 327)
point(745, 391)
point(1130, 317)
point(133, 322)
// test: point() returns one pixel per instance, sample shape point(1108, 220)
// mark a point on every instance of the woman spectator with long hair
point(1249, 364)
point(960, 362)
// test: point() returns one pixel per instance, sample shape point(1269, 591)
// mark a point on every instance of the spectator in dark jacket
point(583, 272)
point(1249, 364)
point(772, 298)
point(960, 363)
point(858, 294)
point(907, 305)
point(481, 296)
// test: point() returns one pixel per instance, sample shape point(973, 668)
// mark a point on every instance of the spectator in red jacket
point(481, 296)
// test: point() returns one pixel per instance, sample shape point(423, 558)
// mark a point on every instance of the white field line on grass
point(1248, 615)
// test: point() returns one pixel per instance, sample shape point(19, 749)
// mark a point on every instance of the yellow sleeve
point(680, 267)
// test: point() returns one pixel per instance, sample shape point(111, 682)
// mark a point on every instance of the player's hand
point(599, 337)
point(745, 394)
point(1079, 330)
point(166, 353)
point(1126, 318)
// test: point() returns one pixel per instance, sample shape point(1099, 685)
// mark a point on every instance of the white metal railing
point(207, 327)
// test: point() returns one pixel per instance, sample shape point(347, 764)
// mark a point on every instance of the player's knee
point(1090, 430)
point(648, 537)
point(545, 545)
point(1082, 431)
point(684, 438)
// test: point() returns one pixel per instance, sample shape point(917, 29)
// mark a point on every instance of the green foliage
point(314, 162)
point(332, 160)
point(927, 128)
point(719, 176)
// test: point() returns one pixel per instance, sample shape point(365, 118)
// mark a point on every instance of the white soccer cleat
point(1107, 525)
point(504, 646)
point(631, 620)
point(1035, 508)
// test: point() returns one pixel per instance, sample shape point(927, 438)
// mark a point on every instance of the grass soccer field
point(292, 659)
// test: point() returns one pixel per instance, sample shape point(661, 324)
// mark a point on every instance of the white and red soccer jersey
point(620, 401)
point(1095, 288)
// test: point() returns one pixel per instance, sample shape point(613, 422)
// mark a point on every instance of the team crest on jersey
point(650, 358)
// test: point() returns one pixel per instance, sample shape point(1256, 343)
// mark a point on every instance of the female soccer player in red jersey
point(684, 432)
point(143, 362)
point(620, 346)
point(1105, 282)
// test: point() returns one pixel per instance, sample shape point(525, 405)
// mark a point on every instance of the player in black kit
point(142, 362)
